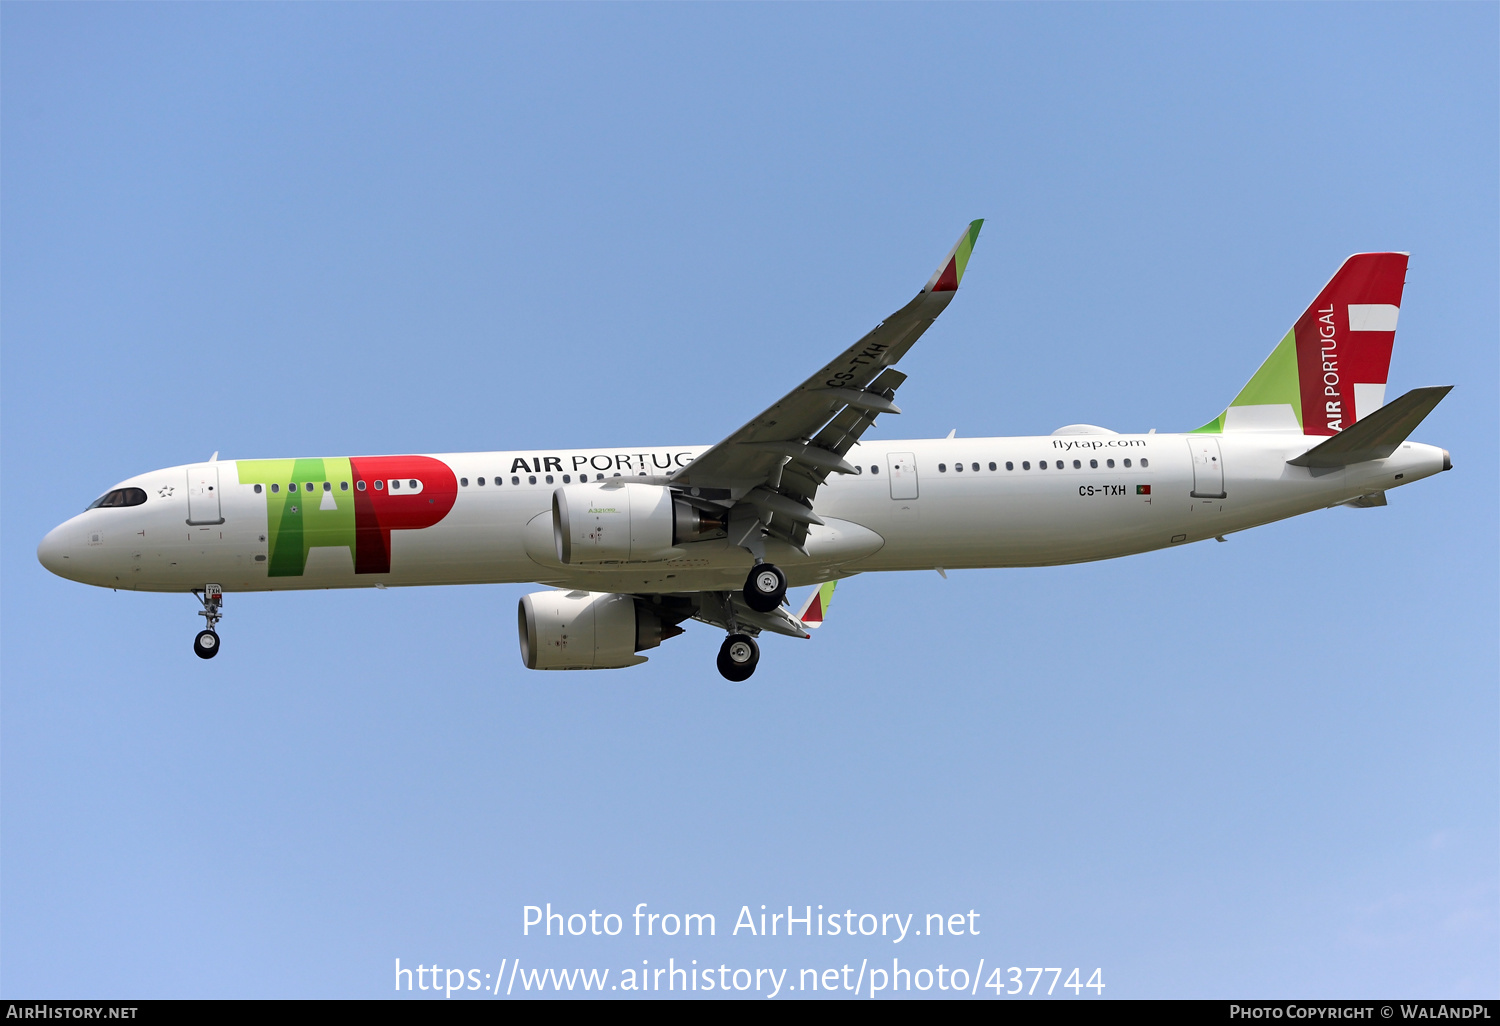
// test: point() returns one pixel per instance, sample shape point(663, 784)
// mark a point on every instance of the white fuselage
point(928, 515)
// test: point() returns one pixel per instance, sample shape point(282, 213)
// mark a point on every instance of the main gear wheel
point(738, 656)
point(765, 587)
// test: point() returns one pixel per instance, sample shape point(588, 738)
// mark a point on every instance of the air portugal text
point(1333, 409)
point(633, 462)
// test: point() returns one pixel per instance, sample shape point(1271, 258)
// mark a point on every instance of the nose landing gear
point(738, 656)
point(206, 644)
point(765, 587)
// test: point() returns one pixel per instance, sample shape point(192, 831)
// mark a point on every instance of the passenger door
point(203, 494)
point(1208, 467)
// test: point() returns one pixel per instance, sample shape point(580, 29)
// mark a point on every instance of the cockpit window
point(120, 497)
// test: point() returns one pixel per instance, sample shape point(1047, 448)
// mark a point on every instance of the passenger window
point(1093, 464)
point(358, 484)
point(1127, 463)
point(275, 488)
point(1009, 465)
point(1110, 464)
point(992, 464)
point(531, 479)
point(567, 479)
point(257, 489)
point(975, 466)
point(942, 468)
point(481, 482)
point(343, 486)
point(1025, 464)
point(549, 478)
point(514, 479)
point(958, 468)
point(379, 485)
point(463, 482)
point(394, 484)
point(874, 469)
point(1077, 465)
point(411, 484)
point(328, 486)
point(1042, 465)
point(1145, 462)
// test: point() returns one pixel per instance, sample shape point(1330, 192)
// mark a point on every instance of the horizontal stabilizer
point(1376, 436)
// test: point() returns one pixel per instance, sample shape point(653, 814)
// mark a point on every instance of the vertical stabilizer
point(1330, 368)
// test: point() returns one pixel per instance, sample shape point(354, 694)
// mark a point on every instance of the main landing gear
point(738, 656)
point(765, 587)
point(206, 644)
point(763, 592)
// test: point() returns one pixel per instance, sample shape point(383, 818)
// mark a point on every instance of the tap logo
point(355, 505)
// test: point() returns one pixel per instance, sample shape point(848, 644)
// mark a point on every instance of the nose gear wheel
point(206, 643)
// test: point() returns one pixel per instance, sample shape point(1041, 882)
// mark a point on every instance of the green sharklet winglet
point(1275, 384)
point(816, 607)
point(951, 271)
point(966, 246)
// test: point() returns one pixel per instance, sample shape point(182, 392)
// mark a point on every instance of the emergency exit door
point(1208, 467)
point(203, 494)
point(902, 468)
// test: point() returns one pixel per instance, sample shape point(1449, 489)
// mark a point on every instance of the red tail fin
point(1344, 342)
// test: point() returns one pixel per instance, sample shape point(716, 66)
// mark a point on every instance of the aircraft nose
point(52, 553)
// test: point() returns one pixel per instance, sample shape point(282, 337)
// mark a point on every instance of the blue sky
point(1268, 767)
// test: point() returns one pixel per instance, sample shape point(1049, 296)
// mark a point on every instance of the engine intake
point(586, 630)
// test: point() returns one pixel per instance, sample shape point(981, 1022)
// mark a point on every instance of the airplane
point(633, 542)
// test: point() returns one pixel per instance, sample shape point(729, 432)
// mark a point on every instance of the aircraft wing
point(771, 468)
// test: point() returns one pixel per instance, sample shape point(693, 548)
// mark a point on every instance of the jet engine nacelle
point(586, 630)
point(624, 522)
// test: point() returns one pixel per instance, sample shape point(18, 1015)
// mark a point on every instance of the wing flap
point(840, 434)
